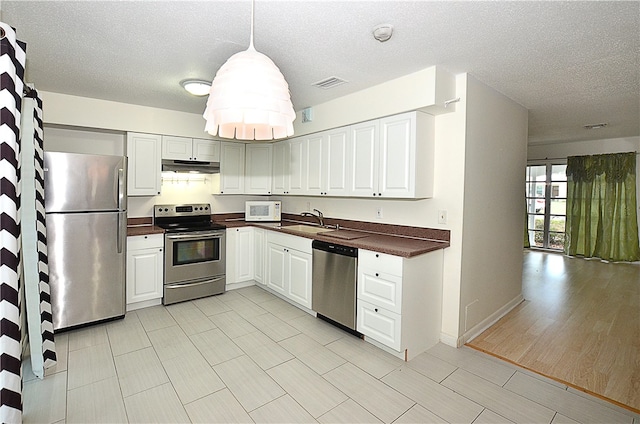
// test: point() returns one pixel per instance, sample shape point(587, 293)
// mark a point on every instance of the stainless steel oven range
point(194, 259)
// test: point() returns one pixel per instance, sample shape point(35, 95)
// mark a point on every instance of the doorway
point(546, 194)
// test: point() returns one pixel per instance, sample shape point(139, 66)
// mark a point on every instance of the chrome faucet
point(319, 217)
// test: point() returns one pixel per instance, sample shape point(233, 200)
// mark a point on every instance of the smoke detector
point(383, 32)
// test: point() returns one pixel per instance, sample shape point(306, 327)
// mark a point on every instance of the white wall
point(176, 189)
point(63, 109)
point(495, 160)
point(74, 140)
point(590, 147)
point(425, 90)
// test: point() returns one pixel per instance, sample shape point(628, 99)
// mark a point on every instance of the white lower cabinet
point(289, 267)
point(259, 254)
point(399, 301)
point(240, 251)
point(145, 270)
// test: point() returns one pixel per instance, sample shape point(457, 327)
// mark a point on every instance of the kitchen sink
point(306, 228)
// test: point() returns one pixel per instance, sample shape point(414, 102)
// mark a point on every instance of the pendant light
point(249, 98)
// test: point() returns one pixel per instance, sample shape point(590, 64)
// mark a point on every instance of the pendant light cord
point(253, 5)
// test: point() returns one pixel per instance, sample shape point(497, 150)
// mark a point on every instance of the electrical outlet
point(442, 217)
point(378, 212)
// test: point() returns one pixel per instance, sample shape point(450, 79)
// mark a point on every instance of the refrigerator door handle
point(120, 188)
point(119, 234)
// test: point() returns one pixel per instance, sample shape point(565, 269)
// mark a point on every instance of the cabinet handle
point(380, 194)
point(160, 249)
point(377, 275)
point(377, 256)
point(374, 194)
point(375, 309)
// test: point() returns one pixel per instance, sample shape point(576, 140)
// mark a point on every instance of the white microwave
point(256, 210)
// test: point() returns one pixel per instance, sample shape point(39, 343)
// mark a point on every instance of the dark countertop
point(143, 230)
point(391, 243)
point(407, 247)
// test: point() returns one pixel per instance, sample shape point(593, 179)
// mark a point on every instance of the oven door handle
point(187, 284)
point(195, 235)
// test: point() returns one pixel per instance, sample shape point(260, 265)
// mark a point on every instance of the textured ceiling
point(569, 63)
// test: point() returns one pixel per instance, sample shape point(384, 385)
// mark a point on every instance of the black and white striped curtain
point(22, 228)
point(34, 237)
point(12, 62)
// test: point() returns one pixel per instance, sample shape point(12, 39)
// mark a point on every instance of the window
point(546, 189)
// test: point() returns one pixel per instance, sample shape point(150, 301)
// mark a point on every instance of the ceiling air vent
point(329, 83)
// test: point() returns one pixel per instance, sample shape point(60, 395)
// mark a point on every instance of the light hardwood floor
point(579, 324)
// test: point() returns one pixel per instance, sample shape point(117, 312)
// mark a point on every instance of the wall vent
point(329, 83)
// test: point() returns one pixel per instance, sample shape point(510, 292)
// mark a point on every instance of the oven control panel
point(196, 209)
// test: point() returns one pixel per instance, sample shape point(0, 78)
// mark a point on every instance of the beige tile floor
point(248, 356)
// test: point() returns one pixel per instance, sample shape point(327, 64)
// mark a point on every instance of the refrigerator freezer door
point(86, 266)
point(78, 182)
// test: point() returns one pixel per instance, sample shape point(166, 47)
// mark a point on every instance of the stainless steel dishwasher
point(334, 282)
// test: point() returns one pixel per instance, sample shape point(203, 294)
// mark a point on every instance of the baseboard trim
point(479, 328)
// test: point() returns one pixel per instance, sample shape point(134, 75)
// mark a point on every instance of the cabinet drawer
point(289, 241)
point(379, 289)
point(145, 241)
point(379, 324)
point(380, 262)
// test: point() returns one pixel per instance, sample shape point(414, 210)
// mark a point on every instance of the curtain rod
point(565, 158)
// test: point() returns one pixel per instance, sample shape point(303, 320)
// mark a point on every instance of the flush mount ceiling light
point(196, 87)
point(595, 126)
point(249, 98)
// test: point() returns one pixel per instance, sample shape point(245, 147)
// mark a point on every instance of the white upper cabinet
point(206, 150)
point(144, 164)
point(176, 148)
point(392, 157)
point(316, 164)
point(338, 161)
point(280, 181)
point(258, 168)
point(184, 148)
point(406, 156)
point(365, 154)
point(297, 162)
point(231, 168)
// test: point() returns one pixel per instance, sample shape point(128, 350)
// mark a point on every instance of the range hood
point(190, 166)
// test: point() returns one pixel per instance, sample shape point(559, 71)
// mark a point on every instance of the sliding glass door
point(546, 192)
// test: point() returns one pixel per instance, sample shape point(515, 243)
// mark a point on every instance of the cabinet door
point(244, 254)
point(338, 158)
point(177, 148)
point(258, 165)
point(365, 148)
point(316, 164)
point(259, 240)
point(280, 183)
point(299, 277)
point(379, 324)
point(297, 163)
point(144, 274)
point(144, 164)
point(276, 268)
point(231, 168)
point(397, 155)
point(206, 150)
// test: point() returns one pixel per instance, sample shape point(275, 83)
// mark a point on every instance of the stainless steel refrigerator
point(86, 203)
